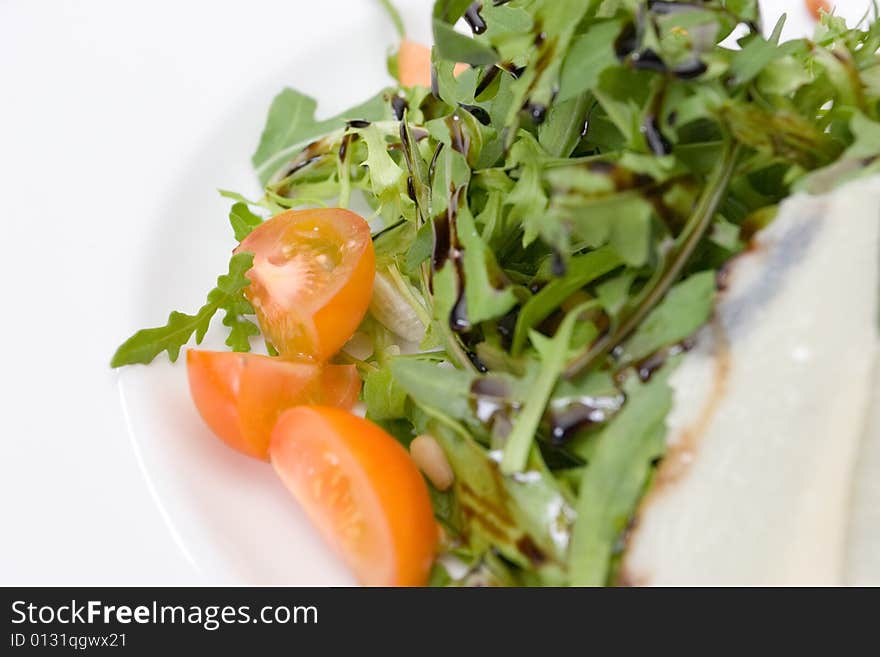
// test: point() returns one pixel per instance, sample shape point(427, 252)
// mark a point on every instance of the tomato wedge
point(414, 65)
point(361, 489)
point(816, 7)
point(311, 280)
point(240, 396)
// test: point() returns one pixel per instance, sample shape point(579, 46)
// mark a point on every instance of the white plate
point(118, 124)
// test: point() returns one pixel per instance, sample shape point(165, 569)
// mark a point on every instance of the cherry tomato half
point(361, 489)
point(815, 7)
point(311, 280)
point(240, 396)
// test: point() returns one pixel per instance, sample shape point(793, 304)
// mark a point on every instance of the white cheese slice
point(863, 546)
point(770, 409)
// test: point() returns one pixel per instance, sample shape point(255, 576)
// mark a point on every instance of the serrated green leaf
point(240, 332)
point(291, 125)
point(146, 344)
point(445, 389)
point(450, 10)
point(384, 397)
point(487, 293)
point(243, 221)
point(759, 53)
point(612, 482)
point(590, 54)
point(564, 126)
point(457, 47)
point(580, 271)
point(554, 353)
point(386, 176)
point(685, 309)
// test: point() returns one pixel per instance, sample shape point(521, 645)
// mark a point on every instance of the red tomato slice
point(240, 396)
point(361, 489)
point(311, 280)
point(815, 7)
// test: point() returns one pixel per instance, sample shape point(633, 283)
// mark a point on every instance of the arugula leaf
point(564, 127)
point(580, 270)
point(615, 476)
point(758, 54)
point(243, 220)
point(590, 54)
point(445, 389)
point(527, 200)
point(526, 518)
point(146, 344)
point(450, 11)
point(458, 48)
point(487, 293)
point(386, 176)
point(686, 308)
point(291, 124)
point(384, 397)
point(867, 137)
point(554, 353)
point(622, 220)
point(780, 133)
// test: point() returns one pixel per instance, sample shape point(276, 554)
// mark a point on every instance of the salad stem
point(655, 290)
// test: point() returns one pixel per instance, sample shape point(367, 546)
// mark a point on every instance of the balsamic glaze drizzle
point(399, 106)
point(473, 18)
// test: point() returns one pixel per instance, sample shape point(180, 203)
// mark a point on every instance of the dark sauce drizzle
point(515, 71)
point(399, 106)
point(487, 79)
point(473, 18)
point(690, 69)
point(530, 550)
point(657, 141)
point(626, 42)
point(648, 60)
point(646, 367)
point(477, 112)
point(440, 252)
point(506, 326)
point(433, 166)
point(537, 111)
point(557, 264)
point(460, 141)
point(658, 144)
point(347, 141)
point(302, 165)
point(435, 82)
point(580, 413)
point(490, 399)
point(477, 362)
point(458, 316)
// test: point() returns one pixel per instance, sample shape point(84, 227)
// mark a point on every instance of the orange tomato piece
point(816, 6)
point(414, 65)
point(311, 280)
point(240, 396)
point(361, 489)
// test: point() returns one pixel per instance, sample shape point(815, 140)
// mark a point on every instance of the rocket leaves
point(227, 296)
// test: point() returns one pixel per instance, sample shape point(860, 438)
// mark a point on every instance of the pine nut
point(429, 456)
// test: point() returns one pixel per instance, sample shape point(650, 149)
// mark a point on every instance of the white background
point(101, 104)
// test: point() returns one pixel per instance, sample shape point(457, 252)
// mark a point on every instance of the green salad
point(549, 224)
